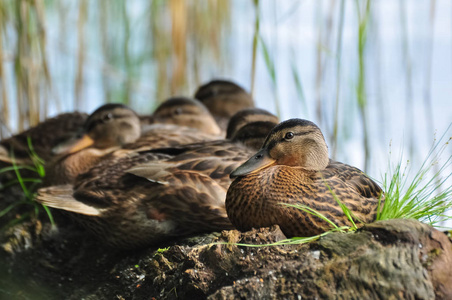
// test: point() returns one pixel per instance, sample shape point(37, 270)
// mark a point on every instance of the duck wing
point(194, 200)
point(167, 136)
point(215, 159)
point(354, 178)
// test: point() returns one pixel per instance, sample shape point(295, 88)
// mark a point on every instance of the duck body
point(293, 168)
point(268, 191)
point(168, 135)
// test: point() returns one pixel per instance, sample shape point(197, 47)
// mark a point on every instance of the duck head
point(223, 99)
point(295, 142)
point(188, 112)
point(247, 116)
point(251, 126)
point(108, 126)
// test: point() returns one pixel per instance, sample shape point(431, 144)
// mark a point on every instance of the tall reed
point(409, 101)
point(4, 104)
point(255, 43)
point(340, 30)
point(361, 93)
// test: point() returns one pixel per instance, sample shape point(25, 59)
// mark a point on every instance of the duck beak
point(73, 145)
point(257, 162)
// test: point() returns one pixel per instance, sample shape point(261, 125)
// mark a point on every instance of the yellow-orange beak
point(73, 145)
point(257, 162)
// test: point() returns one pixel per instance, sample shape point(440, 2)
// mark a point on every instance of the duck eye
point(289, 135)
point(107, 117)
point(178, 111)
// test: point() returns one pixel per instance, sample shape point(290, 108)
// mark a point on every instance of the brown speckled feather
point(136, 211)
point(355, 178)
point(215, 159)
point(261, 205)
point(167, 135)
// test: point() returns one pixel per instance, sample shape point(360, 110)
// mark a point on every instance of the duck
point(146, 197)
point(186, 112)
point(293, 168)
point(251, 118)
point(223, 98)
point(177, 121)
point(107, 129)
point(42, 137)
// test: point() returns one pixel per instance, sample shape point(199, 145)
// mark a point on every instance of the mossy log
point(396, 259)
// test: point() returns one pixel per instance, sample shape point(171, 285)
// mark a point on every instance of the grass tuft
point(29, 187)
point(422, 197)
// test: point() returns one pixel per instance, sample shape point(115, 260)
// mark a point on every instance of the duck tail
point(60, 197)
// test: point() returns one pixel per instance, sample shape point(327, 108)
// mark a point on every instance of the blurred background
point(376, 76)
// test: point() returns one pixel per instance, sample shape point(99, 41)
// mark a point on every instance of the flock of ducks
point(195, 165)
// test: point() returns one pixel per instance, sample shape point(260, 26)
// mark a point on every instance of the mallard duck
point(177, 121)
point(145, 197)
point(186, 112)
point(43, 137)
point(223, 99)
point(293, 167)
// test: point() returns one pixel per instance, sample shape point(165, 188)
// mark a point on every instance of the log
point(394, 259)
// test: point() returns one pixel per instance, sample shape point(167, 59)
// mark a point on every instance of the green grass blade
point(294, 240)
point(49, 214)
point(19, 167)
point(347, 212)
point(311, 211)
point(10, 207)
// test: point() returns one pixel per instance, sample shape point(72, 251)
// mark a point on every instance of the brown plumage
point(145, 197)
point(106, 129)
point(218, 158)
point(44, 137)
point(186, 112)
point(293, 168)
point(223, 99)
point(114, 130)
point(177, 121)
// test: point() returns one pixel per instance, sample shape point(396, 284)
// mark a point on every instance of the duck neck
point(317, 158)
